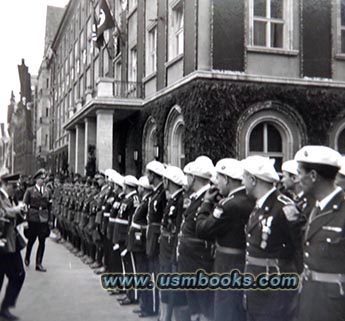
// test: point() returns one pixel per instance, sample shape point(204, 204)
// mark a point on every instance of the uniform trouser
point(228, 305)
point(194, 256)
point(320, 301)
point(36, 230)
point(153, 263)
point(11, 265)
point(271, 305)
point(145, 296)
point(128, 266)
point(107, 254)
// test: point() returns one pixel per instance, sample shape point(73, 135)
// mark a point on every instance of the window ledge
point(150, 76)
point(340, 56)
point(174, 60)
point(273, 51)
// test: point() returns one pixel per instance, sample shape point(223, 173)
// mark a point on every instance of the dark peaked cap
point(39, 173)
point(10, 178)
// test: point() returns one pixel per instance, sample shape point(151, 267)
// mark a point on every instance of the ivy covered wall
point(212, 109)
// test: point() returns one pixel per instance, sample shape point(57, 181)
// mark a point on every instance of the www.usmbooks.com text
point(200, 280)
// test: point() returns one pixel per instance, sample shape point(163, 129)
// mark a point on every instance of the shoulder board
point(285, 200)
point(291, 212)
point(136, 201)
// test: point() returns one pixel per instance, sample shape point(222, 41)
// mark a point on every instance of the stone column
point(80, 145)
point(104, 139)
point(71, 149)
point(90, 135)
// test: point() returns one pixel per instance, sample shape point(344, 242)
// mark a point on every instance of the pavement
point(68, 291)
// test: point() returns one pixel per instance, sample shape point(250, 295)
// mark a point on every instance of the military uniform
point(122, 222)
point(171, 224)
point(38, 216)
point(194, 254)
point(11, 263)
point(157, 203)
point(323, 289)
point(272, 234)
point(225, 223)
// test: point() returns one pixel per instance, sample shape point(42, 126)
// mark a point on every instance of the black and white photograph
point(172, 160)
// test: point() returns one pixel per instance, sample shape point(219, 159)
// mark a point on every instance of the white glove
point(124, 252)
point(116, 247)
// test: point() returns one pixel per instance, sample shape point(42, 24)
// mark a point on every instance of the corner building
point(181, 78)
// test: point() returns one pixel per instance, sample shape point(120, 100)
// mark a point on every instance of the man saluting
point(11, 263)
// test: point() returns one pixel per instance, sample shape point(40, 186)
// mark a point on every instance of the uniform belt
point(38, 208)
point(138, 226)
point(105, 214)
point(112, 219)
point(324, 277)
point(155, 224)
point(265, 262)
point(165, 233)
point(121, 221)
point(228, 250)
point(193, 240)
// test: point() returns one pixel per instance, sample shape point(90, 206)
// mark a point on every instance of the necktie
point(315, 212)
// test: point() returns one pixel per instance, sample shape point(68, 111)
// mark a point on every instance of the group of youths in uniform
point(235, 215)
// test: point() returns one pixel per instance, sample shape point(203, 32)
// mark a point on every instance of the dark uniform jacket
point(113, 214)
point(194, 253)
point(124, 216)
point(324, 244)
point(137, 230)
point(38, 204)
point(171, 224)
point(273, 232)
point(227, 221)
point(157, 203)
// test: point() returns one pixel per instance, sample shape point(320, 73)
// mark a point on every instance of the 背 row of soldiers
point(234, 215)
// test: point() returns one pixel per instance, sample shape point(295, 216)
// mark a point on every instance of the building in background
point(20, 125)
point(41, 115)
point(179, 78)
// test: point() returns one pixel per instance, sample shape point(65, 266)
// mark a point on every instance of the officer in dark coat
point(122, 222)
point(157, 203)
point(37, 199)
point(272, 233)
point(11, 242)
point(322, 294)
point(137, 243)
point(195, 253)
point(172, 301)
point(224, 221)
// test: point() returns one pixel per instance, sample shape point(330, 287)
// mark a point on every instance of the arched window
point(272, 130)
point(174, 138)
point(266, 139)
point(337, 136)
point(149, 140)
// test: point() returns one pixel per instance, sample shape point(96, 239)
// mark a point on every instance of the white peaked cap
point(130, 180)
point(175, 174)
point(290, 166)
point(203, 167)
point(108, 172)
point(261, 167)
point(187, 169)
point(117, 178)
point(342, 166)
point(155, 167)
point(144, 182)
point(318, 154)
point(230, 167)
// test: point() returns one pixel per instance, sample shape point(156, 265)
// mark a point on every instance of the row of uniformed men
point(172, 220)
